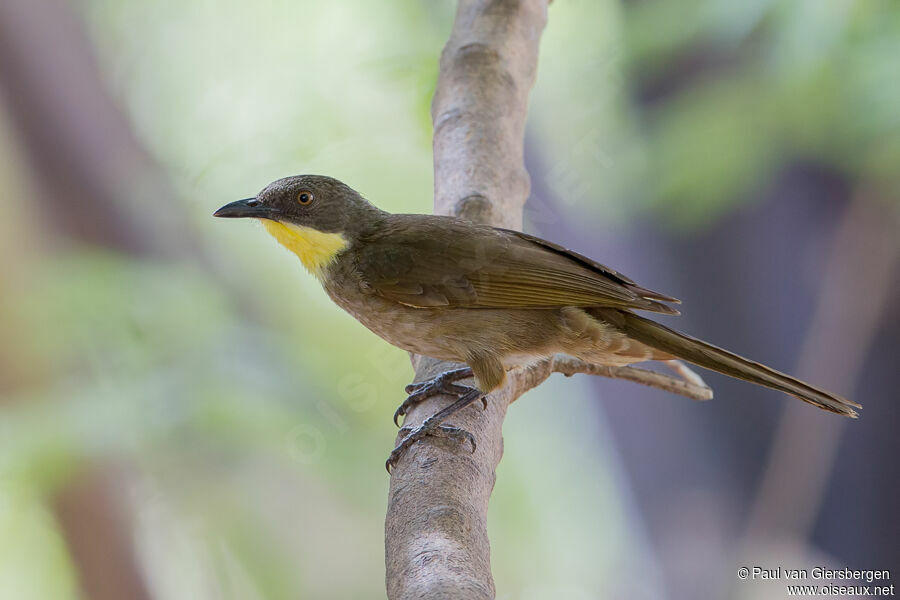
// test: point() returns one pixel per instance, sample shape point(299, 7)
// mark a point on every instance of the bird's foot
point(449, 431)
point(433, 426)
point(442, 384)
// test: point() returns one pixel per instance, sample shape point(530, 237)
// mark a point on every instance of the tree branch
point(687, 384)
point(436, 543)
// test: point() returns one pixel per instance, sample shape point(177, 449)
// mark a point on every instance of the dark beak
point(242, 209)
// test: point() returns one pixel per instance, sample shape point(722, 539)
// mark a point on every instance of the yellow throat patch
point(315, 249)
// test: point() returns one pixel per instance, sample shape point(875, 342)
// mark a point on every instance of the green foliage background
point(259, 454)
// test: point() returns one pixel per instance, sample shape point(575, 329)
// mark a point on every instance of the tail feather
point(716, 359)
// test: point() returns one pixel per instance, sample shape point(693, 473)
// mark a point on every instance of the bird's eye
point(304, 197)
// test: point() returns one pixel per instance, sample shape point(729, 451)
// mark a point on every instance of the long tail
point(716, 359)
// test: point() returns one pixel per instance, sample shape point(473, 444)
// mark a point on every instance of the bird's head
point(314, 201)
point(313, 216)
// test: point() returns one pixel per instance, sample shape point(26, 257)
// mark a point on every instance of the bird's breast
point(423, 331)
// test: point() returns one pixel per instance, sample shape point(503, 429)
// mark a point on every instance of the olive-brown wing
point(428, 261)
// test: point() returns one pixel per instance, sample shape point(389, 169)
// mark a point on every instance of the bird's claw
point(449, 431)
point(401, 410)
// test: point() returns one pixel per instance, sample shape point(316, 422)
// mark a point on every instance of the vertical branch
point(436, 543)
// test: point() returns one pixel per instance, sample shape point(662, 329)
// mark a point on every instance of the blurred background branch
point(94, 182)
point(861, 265)
point(86, 168)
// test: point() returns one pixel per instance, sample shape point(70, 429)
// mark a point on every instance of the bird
point(492, 299)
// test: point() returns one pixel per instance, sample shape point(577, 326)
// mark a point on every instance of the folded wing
point(430, 261)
